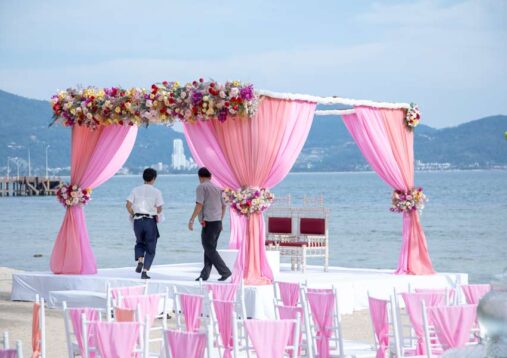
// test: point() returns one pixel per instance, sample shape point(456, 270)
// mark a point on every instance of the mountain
point(24, 123)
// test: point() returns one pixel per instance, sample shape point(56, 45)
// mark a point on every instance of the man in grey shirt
point(210, 208)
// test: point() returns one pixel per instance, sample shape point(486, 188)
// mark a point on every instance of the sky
point(450, 57)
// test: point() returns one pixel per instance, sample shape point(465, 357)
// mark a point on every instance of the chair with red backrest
point(313, 235)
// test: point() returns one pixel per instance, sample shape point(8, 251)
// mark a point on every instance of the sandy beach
point(16, 318)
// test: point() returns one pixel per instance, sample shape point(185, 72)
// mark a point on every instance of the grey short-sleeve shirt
point(210, 196)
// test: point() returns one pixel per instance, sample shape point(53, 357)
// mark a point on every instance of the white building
point(179, 161)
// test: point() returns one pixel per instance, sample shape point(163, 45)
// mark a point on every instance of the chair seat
point(294, 243)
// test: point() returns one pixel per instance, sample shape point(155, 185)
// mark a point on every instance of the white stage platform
point(352, 285)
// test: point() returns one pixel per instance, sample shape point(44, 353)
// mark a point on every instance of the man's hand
point(191, 225)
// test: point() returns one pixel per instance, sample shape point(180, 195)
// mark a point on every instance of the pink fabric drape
point(191, 305)
point(124, 315)
point(36, 330)
point(388, 146)
point(116, 339)
point(291, 312)
point(289, 293)
point(322, 307)
point(474, 293)
point(91, 314)
point(186, 344)
point(224, 311)
point(223, 291)
point(127, 291)
point(8, 353)
point(453, 324)
point(269, 338)
point(148, 305)
point(257, 152)
point(378, 313)
point(96, 156)
point(451, 292)
point(413, 304)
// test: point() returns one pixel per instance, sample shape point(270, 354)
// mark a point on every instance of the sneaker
point(145, 276)
point(139, 267)
point(224, 277)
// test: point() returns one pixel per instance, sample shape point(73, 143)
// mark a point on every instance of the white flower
point(234, 91)
point(183, 94)
point(222, 94)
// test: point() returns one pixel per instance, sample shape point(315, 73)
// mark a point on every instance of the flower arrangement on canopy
point(165, 102)
point(407, 201)
point(72, 195)
point(248, 201)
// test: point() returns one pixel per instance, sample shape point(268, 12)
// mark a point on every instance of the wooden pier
point(29, 186)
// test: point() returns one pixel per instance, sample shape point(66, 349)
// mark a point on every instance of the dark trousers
point(209, 238)
point(146, 240)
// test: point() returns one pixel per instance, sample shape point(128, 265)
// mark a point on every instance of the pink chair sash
point(269, 338)
point(413, 304)
point(224, 311)
point(322, 306)
point(378, 313)
point(35, 331)
point(124, 315)
point(191, 305)
point(474, 293)
point(186, 344)
point(8, 353)
point(290, 312)
point(127, 291)
point(91, 314)
point(289, 293)
point(116, 339)
point(148, 305)
point(452, 291)
point(453, 324)
point(223, 291)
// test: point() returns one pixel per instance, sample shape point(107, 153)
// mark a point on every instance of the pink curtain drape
point(96, 156)
point(258, 152)
point(388, 146)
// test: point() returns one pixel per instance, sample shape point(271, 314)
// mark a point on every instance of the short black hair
point(149, 174)
point(204, 173)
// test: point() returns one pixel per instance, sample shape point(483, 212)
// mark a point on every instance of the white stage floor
point(352, 285)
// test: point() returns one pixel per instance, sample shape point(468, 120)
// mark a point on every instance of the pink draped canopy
point(256, 152)
point(388, 146)
point(96, 156)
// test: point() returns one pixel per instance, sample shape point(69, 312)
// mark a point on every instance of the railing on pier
point(29, 186)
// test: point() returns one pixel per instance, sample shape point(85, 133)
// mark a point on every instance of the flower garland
point(165, 102)
point(413, 116)
point(248, 201)
point(407, 201)
point(72, 195)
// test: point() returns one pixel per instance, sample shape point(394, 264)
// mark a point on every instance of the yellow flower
point(73, 111)
point(152, 96)
point(235, 83)
point(163, 117)
point(117, 109)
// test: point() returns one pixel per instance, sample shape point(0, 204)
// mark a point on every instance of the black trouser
point(209, 238)
point(146, 240)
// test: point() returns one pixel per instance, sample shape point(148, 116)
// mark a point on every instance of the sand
point(16, 318)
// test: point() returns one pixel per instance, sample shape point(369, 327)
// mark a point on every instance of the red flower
point(235, 107)
point(226, 104)
point(212, 84)
point(165, 83)
point(120, 122)
point(201, 80)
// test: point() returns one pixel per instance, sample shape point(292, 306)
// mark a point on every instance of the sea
point(465, 221)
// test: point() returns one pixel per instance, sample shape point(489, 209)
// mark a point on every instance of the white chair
point(142, 341)
point(6, 346)
point(249, 349)
point(178, 312)
point(42, 325)
point(390, 323)
point(278, 294)
point(111, 292)
point(186, 343)
point(336, 340)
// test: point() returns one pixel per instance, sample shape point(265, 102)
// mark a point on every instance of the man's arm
point(129, 208)
point(197, 210)
point(223, 211)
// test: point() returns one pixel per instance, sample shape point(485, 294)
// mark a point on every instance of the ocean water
point(465, 221)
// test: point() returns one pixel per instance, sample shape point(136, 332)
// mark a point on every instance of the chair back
point(379, 314)
point(450, 294)
point(39, 328)
point(7, 352)
point(304, 338)
point(221, 313)
point(186, 344)
point(191, 306)
point(474, 293)
point(113, 293)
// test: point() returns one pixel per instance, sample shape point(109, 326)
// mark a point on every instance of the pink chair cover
point(8, 353)
point(289, 293)
point(451, 291)
point(116, 339)
point(378, 313)
point(290, 312)
point(91, 314)
point(322, 307)
point(474, 293)
point(124, 315)
point(453, 324)
point(35, 330)
point(127, 291)
point(186, 344)
point(148, 305)
point(191, 305)
point(245, 152)
point(413, 304)
point(223, 291)
point(96, 156)
point(269, 338)
point(388, 146)
point(224, 311)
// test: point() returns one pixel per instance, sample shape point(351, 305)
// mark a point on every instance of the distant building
point(179, 161)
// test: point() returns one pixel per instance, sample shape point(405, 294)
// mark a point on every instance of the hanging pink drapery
point(256, 152)
point(388, 146)
point(96, 156)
